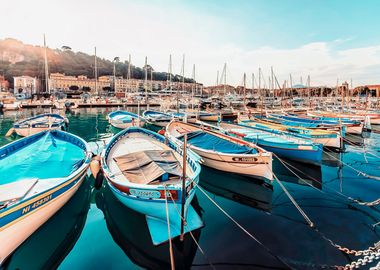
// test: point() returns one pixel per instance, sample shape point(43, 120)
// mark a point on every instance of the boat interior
point(139, 159)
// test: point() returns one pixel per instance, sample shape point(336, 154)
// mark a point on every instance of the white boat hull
point(159, 123)
point(117, 124)
point(210, 118)
point(15, 234)
point(241, 164)
point(24, 132)
point(355, 129)
point(329, 142)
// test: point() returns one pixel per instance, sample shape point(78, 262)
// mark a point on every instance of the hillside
point(18, 59)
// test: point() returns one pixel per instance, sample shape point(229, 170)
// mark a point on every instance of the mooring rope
point(287, 165)
point(192, 236)
point(370, 254)
point(170, 238)
point(241, 227)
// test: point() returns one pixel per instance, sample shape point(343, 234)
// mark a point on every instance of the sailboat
point(144, 170)
point(43, 172)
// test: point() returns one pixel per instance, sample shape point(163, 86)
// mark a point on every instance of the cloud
point(159, 28)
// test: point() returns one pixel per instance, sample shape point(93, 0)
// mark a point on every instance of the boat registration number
point(145, 193)
point(244, 159)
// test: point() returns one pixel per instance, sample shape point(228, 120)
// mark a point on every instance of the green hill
point(18, 59)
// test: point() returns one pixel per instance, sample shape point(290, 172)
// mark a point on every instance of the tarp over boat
point(145, 167)
point(208, 141)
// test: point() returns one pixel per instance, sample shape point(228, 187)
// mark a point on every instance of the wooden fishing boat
point(42, 171)
point(124, 119)
point(157, 118)
point(283, 145)
point(352, 127)
point(208, 116)
point(327, 138)
point(144, 170)
point(374, 118)
point(38, 123)
point(184, 116)
point(224, 152)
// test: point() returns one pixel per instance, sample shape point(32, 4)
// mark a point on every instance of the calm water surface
point(95, 231)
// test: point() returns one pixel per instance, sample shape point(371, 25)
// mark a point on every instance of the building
point(25, 85)
point(59, 81)
point(4, 84)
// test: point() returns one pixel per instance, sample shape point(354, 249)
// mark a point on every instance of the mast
point(217, 78)
point(96, 76)
point(146, 80)
point(244, 89)
point(193, 89)
point(225, 78)
point(128, 74)
point(272, 80)
point(183, 199)
point(46, 68)
point(253, 84)
point(183, 80)
point(261, 94)
point(170, 72)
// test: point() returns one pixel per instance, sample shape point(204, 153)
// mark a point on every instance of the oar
point(10, 132)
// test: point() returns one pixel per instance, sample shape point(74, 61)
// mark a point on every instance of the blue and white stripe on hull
point(21, 218)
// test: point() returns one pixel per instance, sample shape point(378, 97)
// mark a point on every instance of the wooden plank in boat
point(16, 190)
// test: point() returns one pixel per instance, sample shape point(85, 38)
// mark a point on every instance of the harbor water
point(95, 231)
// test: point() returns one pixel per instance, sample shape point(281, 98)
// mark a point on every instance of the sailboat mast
point(225, 78)
point(146, 80)
point(244, 89)
point(261, 94)
point(193, 89)
point(96, 76)
point(128, 74)
point(46, 68)
point(217, 78)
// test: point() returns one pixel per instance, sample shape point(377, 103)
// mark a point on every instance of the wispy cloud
point(158, 28)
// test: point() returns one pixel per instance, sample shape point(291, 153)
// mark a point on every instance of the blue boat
point(144, 170)
point(124, 119)
point(40, 173)
point(283, 145)
point(327, 138)
point(38, 123)
point(352, 126)
point(157, 118)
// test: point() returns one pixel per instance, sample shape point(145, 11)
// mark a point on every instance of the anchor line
point(242, 228)
point(354, 169)
point(371, 253)
point(172, 264)
point(192, 236)
point(287, 165)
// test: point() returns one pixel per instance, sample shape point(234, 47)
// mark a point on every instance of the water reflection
point(291, 171)
point(130, 231)
point(55, 239)
point(242, 189)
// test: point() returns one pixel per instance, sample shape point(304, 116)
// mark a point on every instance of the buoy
point(99, 180)
point(95, 166)
point(161, 132)
point(10, 132)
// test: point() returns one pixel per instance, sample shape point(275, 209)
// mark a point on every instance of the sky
point(330, 40)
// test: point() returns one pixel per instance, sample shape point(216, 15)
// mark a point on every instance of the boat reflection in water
point(242, 189)
point(130, 231)
point(311, 175)
point(49, 245)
